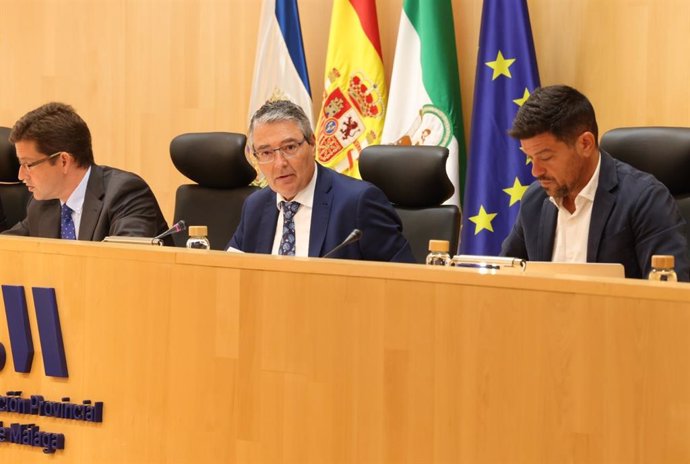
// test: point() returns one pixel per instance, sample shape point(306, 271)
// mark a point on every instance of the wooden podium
point(210, 357)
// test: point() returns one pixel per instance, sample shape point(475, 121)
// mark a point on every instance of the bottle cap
point(439, 245)
point(195, 231)
point(663, 261)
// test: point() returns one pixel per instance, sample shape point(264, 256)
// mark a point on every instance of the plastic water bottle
point(663, 268)
point(198, 239)
point(438, 253)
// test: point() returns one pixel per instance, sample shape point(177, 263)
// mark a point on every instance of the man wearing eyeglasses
point(308, 210)
point(585, 206)
point(72, 197)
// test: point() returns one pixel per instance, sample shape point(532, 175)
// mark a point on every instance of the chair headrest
point(410, 176)
point(9, 165)
point(212, 159)
point(661, 151)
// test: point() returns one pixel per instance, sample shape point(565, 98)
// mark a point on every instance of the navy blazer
point(341, 204)
point(633, 217)
point(115, 203)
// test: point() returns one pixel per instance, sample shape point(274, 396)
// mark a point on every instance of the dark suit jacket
point(116, 203)
point(341, 204)
point(633, 217)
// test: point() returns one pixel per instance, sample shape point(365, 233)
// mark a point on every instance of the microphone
point(179, 226)
point(355, 235)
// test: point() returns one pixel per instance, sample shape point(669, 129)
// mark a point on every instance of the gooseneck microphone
point(179, 226)
point(355, 235)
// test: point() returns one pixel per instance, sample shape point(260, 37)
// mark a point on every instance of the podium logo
point(49, 331)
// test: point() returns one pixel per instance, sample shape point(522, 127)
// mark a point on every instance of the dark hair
point(56, 127)
point(277, 111)
point(556, 109)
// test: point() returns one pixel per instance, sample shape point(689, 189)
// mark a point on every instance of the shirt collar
point(305, 197)
point(76, 199)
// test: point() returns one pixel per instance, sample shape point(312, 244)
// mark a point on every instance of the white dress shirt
point(302, 218)
point(572, 230)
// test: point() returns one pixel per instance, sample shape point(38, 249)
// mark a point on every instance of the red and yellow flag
point(354, 102)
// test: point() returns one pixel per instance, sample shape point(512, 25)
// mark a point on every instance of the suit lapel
point(267, 225)
point(547, 229)
point(604, 201)
point(93, 203)
point(323, 199)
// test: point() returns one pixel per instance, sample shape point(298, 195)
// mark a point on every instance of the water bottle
point(663, 268)
point(438, 253)
point(198, 238)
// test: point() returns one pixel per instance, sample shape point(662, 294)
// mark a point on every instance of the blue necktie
point(66, 223)
point(287, 242)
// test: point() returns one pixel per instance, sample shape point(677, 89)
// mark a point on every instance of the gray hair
point(277, 111)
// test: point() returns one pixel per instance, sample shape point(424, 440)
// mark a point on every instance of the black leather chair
point(663, 152)
point(217, 163)
point(13, 194)
point(414, 179)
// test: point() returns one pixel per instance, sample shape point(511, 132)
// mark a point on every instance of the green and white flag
point(424, 106)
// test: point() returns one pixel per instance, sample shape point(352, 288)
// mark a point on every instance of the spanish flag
point(352, 112)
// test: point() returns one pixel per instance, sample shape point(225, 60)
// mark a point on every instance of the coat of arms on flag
point(343, 130)
point(431, 127)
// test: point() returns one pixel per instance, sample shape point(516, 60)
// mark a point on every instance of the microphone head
point(180, 226)
point(356, 234)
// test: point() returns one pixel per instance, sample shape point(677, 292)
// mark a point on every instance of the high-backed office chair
point(414, 179)
point(13, 194)
point(216, 162)
point(663, 152)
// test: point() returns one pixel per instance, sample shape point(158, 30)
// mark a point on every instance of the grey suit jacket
point(116, 203)
point(633, 217)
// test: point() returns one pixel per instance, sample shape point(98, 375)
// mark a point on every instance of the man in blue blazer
point(586, 206)
point(308, 210)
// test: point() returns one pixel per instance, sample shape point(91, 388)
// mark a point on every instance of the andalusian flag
point(351, 117)
point(280, 69)
point(424, 107)
point(498, 173)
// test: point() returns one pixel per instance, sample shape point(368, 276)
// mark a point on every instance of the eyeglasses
point(268, 155)
point(33, 164)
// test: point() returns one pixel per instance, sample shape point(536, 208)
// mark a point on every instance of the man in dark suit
point(309, 209)
point(72, 197)
point(586, 206)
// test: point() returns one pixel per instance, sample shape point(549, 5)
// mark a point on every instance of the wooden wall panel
point(142, 71)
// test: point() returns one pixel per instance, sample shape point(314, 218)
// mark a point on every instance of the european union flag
point(498, 173)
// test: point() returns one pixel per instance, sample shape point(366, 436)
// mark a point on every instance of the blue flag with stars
point(498, 173)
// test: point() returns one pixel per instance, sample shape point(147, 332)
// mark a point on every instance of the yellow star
point(500, 66)
point(521, 101)
point(528, 160)
point(483, 220)
point(516, 191)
